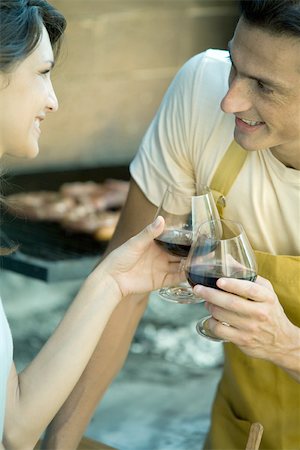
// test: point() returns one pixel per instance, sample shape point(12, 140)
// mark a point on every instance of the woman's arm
point(68, 426)
point(36, 394)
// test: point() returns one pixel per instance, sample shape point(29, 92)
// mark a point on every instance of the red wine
point(208, 276)
point(205, 245)
point(175, 242)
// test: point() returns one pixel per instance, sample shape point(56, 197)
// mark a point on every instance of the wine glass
point(220, 249)
point(184, 207)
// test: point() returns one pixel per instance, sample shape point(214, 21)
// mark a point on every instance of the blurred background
point(117, 61)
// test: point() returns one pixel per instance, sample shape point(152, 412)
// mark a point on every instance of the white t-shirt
point(6, 358)
point(186, 141)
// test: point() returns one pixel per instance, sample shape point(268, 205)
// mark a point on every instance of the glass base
point(202, 329)
point(179, 294)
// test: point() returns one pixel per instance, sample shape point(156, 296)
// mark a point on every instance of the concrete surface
point(161, 399)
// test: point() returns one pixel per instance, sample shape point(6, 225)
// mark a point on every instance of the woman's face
point(26, 96)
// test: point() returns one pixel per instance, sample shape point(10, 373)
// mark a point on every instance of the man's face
point(264, 92)
point(26, 96)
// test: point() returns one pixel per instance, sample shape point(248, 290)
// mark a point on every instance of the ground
point(161, 400)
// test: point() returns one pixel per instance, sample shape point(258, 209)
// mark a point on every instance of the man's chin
point(245, 144)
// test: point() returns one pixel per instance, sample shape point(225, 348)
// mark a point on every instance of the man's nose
point(238, 98)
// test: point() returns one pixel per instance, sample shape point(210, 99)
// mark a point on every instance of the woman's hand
point(140, 266)
point(259, 327)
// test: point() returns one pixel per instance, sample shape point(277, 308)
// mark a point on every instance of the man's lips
point(248, 125)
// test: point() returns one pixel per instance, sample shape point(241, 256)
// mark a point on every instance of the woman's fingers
point(172, 279)
point(175, 267)
point(149, 233)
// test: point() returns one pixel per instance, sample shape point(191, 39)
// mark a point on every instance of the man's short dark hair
point(275, 16)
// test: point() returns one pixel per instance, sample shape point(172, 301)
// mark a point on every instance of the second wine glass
point(184, 207)
point(220, 249)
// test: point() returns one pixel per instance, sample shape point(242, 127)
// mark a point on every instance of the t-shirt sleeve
point(164, 155)
point(6, 358)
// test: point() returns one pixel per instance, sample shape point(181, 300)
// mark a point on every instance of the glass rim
point(204, 188)
point(237, 224)
point(198, 187)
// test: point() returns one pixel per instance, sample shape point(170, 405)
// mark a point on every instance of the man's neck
point(291, 160)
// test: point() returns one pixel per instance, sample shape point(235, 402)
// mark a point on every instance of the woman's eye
point(45, 72)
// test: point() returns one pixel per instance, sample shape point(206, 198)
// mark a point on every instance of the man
point(188, 139)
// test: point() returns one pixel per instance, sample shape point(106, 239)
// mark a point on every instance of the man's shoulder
point(213, 56)
point(216, 54)
point(210, 67)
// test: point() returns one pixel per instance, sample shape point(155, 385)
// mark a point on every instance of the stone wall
point(118, 58)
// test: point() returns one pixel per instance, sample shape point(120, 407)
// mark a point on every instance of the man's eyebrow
point(264, 80)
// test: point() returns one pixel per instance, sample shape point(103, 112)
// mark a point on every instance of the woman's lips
point(37, 123)
point(37, 126)
point(248, 125)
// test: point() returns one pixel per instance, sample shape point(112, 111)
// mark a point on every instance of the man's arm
point(69, 424)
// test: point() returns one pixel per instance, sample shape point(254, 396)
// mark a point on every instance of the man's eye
point(232, 74)
point(263, 88)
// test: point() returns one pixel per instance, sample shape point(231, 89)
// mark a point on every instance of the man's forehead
point(266, 55)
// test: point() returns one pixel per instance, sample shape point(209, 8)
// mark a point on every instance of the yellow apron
point(254, 390)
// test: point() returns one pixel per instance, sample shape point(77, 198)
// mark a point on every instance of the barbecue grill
point(46, 251)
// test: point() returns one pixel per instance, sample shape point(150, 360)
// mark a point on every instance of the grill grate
point(49, 241)
point(47, 251)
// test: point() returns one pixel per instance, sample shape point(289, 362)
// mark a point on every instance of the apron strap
point(226, 173)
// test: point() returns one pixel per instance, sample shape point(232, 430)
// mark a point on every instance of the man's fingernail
point(221, 282)
point(198, 290)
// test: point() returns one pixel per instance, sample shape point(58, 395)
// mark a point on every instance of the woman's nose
point(52, 104)
point(237, 98)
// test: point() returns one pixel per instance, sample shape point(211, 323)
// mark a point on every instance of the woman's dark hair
point(21, 29)
point(275, 16)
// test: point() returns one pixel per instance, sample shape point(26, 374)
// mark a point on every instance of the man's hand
point(258, 324)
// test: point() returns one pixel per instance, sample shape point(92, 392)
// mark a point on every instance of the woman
point(29, 39)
